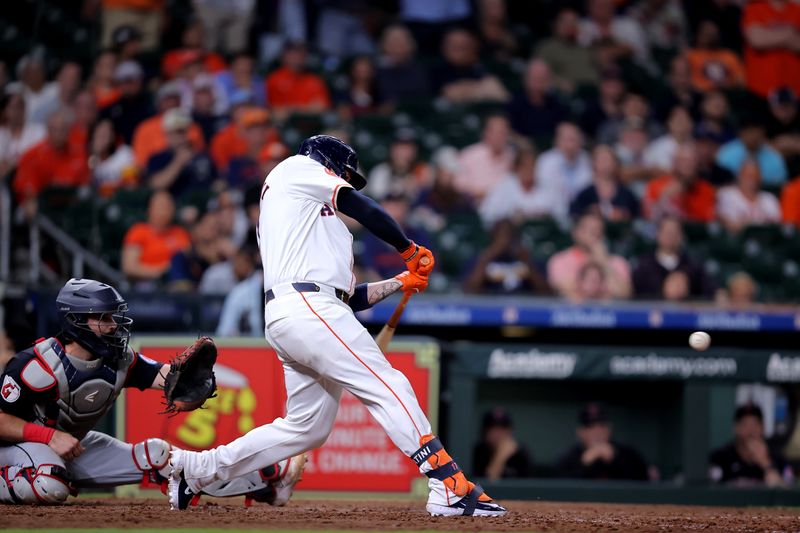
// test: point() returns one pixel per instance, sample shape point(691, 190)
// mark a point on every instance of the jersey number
point(326, 211)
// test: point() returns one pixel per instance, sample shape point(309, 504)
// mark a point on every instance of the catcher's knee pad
point(434, 461)
point(47, 484)
point(151, 454)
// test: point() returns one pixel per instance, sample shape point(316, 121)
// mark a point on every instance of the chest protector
point(83, 396)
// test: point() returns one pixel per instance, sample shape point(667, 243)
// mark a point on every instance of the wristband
point(409, 252)
point(36, 433)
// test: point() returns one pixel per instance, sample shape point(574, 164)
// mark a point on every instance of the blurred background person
point(460, 77)
point(404, 173)
point(597, 455)
point(399, 76)
point(747, 459)
point(148, 247)
point(606, 196)
point(744, 203)
point(17, 134)
point(482, 165)
point(682, 193)
point(498, 455)
point(565, 169)
point(243, 309)
point(751, 143)
point(652, 269)
point(588, 235)
point(505, 266)
point(517, 197)
point(180, 168)
point(111, 161)
point(572, 65)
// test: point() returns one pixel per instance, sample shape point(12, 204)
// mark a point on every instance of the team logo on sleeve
point(10, 390)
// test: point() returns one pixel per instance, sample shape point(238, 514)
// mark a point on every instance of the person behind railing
point(243, 308)
point(16, 134)
point(149, 246)
point(597, 455)
point(498, 454)
point(52, 162)
point(747, 459)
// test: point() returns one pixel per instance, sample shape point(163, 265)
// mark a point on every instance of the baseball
point(700, 341)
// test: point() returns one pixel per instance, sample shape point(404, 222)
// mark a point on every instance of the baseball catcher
point(53, 394)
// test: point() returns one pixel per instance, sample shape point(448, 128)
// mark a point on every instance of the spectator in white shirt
point(745, 204)
point(111, 160)
point(661, 152)
point(243, 308)
point(566, 169)
point(16, 135)
point(517, 197)
point(484, 164)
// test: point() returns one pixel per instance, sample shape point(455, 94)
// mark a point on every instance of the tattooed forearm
point(381, 289)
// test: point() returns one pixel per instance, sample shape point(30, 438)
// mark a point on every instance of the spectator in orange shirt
point(53, 161)
point(243, 169)
point(772, 35)
point(683, 193)
point(150, 138)
point(790, 202)
point(230, 142)
point(193, 40)
point(101, 83)
point(85, 116)
point(293, 88)
point(713, 67)
point(148, 247)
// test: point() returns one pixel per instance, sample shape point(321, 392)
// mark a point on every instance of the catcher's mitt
point(190, 381)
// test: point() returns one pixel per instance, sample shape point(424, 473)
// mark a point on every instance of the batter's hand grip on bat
point(419, 259)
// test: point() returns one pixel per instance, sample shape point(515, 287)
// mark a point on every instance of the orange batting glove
point(419, 259)
point(412, 282)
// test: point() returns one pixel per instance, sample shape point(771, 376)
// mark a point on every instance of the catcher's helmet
point(335, 155)
point(81, 299)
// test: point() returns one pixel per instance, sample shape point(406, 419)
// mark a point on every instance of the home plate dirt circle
point(395, 516)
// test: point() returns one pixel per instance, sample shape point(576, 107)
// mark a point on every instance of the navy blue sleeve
point(358, 301)
point(16, 396)
point(143, 372)
point(369, 214)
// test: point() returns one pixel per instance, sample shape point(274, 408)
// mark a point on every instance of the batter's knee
point(46, 485)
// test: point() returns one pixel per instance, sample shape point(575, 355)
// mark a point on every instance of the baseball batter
point(310, 298)
point(54, 393)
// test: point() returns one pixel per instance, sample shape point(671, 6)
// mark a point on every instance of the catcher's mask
point(83, 299)
point(335, 155)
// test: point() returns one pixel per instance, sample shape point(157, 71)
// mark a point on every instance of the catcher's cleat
point(178, 491)
point(291, 473)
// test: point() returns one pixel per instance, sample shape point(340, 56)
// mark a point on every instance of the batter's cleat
point(475, 503)
point(178, 491)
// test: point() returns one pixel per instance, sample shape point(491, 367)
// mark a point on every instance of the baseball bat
point(387, 332)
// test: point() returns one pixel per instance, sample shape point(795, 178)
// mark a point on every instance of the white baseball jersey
point(300, 236)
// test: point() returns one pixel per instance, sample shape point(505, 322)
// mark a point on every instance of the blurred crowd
point(654, 116)
point(749, 459)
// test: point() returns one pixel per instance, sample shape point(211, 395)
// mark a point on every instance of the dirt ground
point(388, 516)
